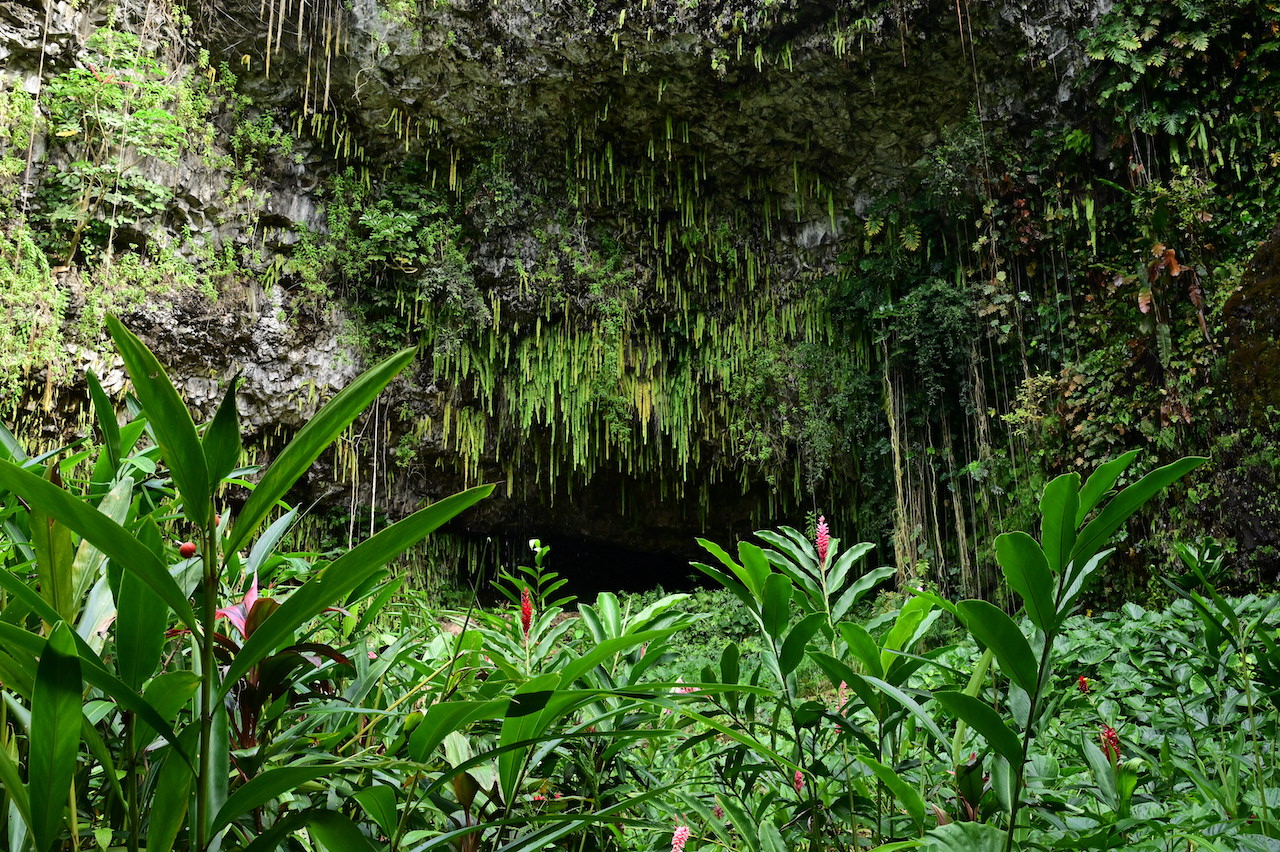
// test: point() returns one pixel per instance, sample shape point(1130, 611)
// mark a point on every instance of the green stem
point(1027, 733)
point(131, 779)
point(208, 692)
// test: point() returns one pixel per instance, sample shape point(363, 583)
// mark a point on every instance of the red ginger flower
point(679, 837)
point(1082, 683)
point(824, 540)
point(1110, 744)
point(798, 781)
point(526, 610)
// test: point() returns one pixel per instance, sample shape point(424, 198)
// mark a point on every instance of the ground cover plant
point(174, 677)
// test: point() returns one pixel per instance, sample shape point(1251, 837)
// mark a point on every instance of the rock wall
point(652, 190)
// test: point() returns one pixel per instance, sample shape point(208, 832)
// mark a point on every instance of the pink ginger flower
point(717, 812)
point(798, 781)
point(679, 838)
point(824, 540)
point(526, 610)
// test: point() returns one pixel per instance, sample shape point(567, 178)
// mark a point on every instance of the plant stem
point(208, 692)
point(1027, 733)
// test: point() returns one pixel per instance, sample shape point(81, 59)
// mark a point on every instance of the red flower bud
point(526, 610)
point(187, 549)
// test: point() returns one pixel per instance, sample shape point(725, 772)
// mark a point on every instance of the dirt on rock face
point(1253, 324)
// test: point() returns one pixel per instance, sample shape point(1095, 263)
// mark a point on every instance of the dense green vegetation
point(1028, 297)
point(164, 693)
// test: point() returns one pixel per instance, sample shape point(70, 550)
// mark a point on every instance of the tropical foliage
point(174, 678)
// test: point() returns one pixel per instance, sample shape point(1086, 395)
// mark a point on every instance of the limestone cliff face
point(648, 191)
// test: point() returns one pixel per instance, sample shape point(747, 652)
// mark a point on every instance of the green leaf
point(94, 672)
point(908, 795)
point(1028, 574)
point(321, 431)
point(860, 588)
point(14, 789)
point(54, 555)
point(993, 628)
point(863, 646)
point(756, 566)
point(172, 798)
point(775, 605)
point(910, 704)
point(1128, 501)
point(106, 415)
point(108, 536)
point(986, 721)
point(337, 833)
point(1058, 508)
point(379, 802)
point(1100, 483)
point(334, 582)
point(170, 422)
point(797, 640)
point(264, 788)
point(440, 720)
point(965, 837)
point(141, 624)
point(221, 443)
point(55, 735)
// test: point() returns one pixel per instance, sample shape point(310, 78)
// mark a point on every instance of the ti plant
point(1049, 576)
point(163, 693)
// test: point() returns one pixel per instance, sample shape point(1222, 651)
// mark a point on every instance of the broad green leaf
point(839, 570)
point(1058, 508)
point(106, 415)
point(55, 735)
point(440, 720)
point(14, 789)
point(221, 443)
point(993, 628)
point(776, 605)
point(379, 802)
point(108, 536)
point(265, 546)
point(906, 701)
point(770, 838)
point(94, 672)
point(335, 581)
point(172, 797)
point(986, 721)
point(528, 716)
point(863, 646)
point(1128, 501)
point(965, 837)
point(86, 568)
point(756, 565)
point(141, 623)
point(335, 832)
point(11, 448)
point(859, 589)
point(168, 693)
point(1100, 483)
point(54, 554)
point(797, 640)
point(170, 422)
point(266, 787)
point(904, 629)
point(311, 440)
point(908, 795)
point(1028, 574)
